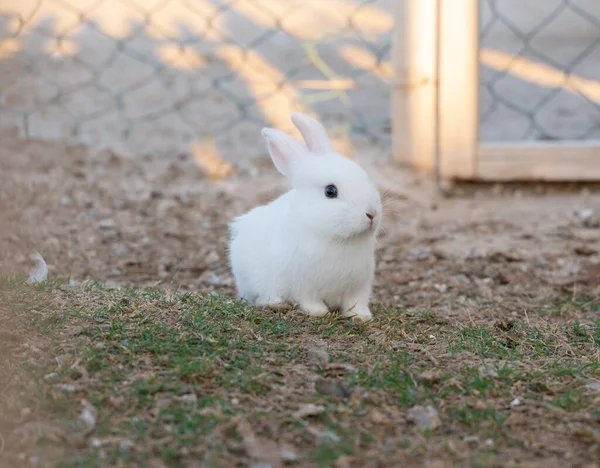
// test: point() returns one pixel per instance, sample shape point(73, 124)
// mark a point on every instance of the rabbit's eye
point(331, 191)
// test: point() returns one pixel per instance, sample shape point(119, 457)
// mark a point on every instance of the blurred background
point(130, 129)
point(171, 76)
point(164, 76)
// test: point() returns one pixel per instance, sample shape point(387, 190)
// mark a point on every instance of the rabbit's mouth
point(369, 231)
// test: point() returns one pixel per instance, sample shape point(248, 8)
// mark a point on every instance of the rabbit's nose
point(370, 216)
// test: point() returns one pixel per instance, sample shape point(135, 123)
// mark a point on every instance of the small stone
point(106, 224)
point(25, 411)
point(67, 388)
point(288, 455)
point(515, 402)
point(163, 207)
point(120, 251)
point(419, 254)
point(593, 385)
point(95, 442)
point(126, 444)
point(424, 417)
point(188, 398)
point(88, 414)
point(326, 437)
point(50, 376)
point(589, 218)
point(65, 200)
point(319, 357)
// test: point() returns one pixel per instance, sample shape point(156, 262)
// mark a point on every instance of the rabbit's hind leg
point(314, 308)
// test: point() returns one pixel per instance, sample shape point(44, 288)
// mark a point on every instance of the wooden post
point(414, 91)
point(560, 161)
point(458, 81)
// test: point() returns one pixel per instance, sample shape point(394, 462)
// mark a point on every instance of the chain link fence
point(540, 73)
point(164, 76)
point(157, 76)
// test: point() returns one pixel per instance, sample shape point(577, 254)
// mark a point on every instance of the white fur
point(303, 247)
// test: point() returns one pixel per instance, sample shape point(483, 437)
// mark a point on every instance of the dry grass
point(185, 380)
point(484, 350)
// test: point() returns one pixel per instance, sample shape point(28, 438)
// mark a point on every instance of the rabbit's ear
point(285, 150)
point(313, 132)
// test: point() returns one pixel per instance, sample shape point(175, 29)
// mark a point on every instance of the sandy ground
point(124, 221)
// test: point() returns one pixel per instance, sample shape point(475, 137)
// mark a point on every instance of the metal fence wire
point(157, 75)
point(540, 69)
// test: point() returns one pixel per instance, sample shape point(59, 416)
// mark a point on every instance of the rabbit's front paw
point(360, 315)
point(314, 309)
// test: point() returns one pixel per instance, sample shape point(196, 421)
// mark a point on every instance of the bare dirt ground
point(474, 255)
point(161, 222)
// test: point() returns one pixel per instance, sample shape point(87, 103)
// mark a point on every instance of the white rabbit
point(314, 245)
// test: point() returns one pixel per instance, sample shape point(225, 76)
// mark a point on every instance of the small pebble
point(106, 224)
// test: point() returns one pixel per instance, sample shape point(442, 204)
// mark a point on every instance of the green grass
point(171, 377)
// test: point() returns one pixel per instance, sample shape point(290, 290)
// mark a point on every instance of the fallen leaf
point(317, 356)
point(88, 416)
point(424, 417)
point(40, 271)
point(430, 376)
point(308, 410)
